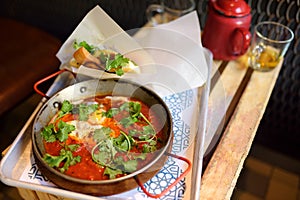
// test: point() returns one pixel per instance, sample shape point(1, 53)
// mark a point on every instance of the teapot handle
point(241, 41)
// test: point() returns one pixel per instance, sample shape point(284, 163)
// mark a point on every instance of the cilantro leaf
point(48, 133)
point(127, 121)
point(63, 130)
point(147, 148)
point(134, 108)
point(54, 161)
point(65, 108)
point(116, 64)
point(147, 133)
point(122, 142)
point(112, 172)
point(111, 112)
point(141, 156)
point(73, 147)
point(133, 133)
point(130, 165)
point(102, 134)
point(105, 154)
point(84, 110)
point(65, 156)
point(148, 130)
point(103, 158)
point(88, 47)
point(119, 71)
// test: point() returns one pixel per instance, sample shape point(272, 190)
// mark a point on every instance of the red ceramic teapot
point(226, 32)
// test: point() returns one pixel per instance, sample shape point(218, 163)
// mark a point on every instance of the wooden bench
point(247, 94)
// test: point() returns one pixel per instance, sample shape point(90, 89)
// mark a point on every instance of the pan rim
point(162, 151)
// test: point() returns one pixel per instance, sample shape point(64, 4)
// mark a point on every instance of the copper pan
point(114, 87)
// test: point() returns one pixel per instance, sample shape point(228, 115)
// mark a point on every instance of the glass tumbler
point(269, 44)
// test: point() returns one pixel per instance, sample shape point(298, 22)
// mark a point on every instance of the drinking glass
point(269, 44)
point(168, 10)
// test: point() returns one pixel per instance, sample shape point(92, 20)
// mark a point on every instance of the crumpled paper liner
point(170, 56)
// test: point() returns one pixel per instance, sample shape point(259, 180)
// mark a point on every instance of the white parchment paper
point(170, 56)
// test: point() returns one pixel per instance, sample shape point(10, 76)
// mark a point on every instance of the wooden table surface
point(247, 93)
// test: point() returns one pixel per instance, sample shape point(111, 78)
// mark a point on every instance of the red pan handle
point(172, 184)
point(35, 86)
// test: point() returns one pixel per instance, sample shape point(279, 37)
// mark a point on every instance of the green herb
point(65, 158)
point(66, 106)
point(147, 133)
point(73, 147)
point(88, 47)
point(105, 154)
point(113, 62)
point(116, 64)
point(134, 108)
point(123, 142)
point(127, 121)
point(65, 109)
point(50, 134)
point(111, 112)
point(102, 134)
point(112, 172)
point(63, 131)
point(105, 147)
point(84, 110)
point(148, 148)
point(130, 165)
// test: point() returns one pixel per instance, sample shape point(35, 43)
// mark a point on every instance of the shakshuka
point(102, 137)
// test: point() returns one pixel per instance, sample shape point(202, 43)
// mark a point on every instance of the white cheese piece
point(83, 128)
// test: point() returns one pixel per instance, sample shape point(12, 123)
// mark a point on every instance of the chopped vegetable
point(104, 59)
point(63, 131)
point(117, 143)
point(116, 64)
point(85, 110)
point(65, 158)
point(90, 48)
point(50, 134)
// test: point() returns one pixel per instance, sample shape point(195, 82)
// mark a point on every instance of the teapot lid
point(232, 8)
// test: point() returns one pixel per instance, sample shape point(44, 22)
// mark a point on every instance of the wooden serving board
point(247, 95)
